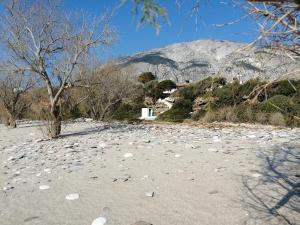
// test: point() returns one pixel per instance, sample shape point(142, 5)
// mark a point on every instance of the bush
point(280, 103)
point(200, 88)
point(146, 77)
point(127, 112)
point(245, 113)
point(179, 112)
point(227, 95)
point(246, 88)
point(283, 87)
point(166, 85)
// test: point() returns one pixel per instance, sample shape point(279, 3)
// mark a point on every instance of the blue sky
point(182, 27)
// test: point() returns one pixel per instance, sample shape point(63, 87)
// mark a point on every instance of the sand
point(159, 174)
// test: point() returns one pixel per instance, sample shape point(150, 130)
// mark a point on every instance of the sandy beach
point(159, 174)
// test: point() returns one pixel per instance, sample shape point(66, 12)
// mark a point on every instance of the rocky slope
point(199, 59)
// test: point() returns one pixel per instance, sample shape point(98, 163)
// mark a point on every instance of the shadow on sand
point(274, 197)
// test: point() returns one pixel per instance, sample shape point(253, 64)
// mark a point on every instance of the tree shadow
point(117, 128)
point(274, 196)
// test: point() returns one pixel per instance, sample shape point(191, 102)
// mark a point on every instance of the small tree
point(146, 77)
point(13, 87)
point(41, 38)
point(107, 89)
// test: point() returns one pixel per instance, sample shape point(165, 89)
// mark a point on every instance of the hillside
point(198, 59)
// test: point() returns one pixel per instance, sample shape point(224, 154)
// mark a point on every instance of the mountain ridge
point(198, 59)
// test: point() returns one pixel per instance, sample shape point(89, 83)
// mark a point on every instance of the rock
point(44, 187)
point(256, 175)
point(251, 136)
point(177, 155)
point(213, 150)
point(72, 197)
point(8, 188)
point(11, 158)
point(99, 221)
point(68, 146)
point(142, 223)
point(128, 155)
point(213, 192)
point(150, 194)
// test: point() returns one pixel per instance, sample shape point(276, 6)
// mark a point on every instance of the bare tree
point(41, 38)
point(279, 23)
point(13, 87)
point(107, 89)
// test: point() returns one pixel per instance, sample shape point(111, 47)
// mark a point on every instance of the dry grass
point(261, 118)
point(277, 119)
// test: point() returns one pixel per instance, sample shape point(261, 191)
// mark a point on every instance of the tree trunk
point(55, 122)
point(12, 123)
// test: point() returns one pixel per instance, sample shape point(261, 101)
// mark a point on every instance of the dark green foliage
point(283, 87)
point(146, 77)
point(227, 95)
point(155, 89)
point(166, 85)
point(200, 88)
point(246, 88)
point(127, 112)
point(280, 103)
point(179, 112)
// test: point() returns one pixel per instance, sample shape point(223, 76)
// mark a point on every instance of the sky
point(181, 27)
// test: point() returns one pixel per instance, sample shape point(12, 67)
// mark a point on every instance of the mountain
point(198, 59)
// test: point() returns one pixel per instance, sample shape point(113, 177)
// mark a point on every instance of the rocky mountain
point(198, 59)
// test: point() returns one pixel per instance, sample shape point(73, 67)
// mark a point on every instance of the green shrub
point(280, 103)
point(179, 112)
point(227, 95)
point(166, 85)
point(283, 87)
point(146, 77)
point(246, 88)
point(200, 88)
point(127, 112)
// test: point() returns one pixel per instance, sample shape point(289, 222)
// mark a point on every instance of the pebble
point(150, 194)
point(99, 221)
point(177, 155)
point(128, 155)
point(213, 150)
point(256, 175)
point(72, 197)
point(44, 187)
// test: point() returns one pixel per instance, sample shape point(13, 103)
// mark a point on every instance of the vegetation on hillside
point(254, 101)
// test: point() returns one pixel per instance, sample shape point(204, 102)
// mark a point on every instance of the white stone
point(128, 155)
point(251, 136)
point(47, 170)
point(256, 175)
point(71, 197)
point(150, 194)
point(68, 146)
point(212, 150)
point(44, 187)
point(177, 155)
point(99, 221)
